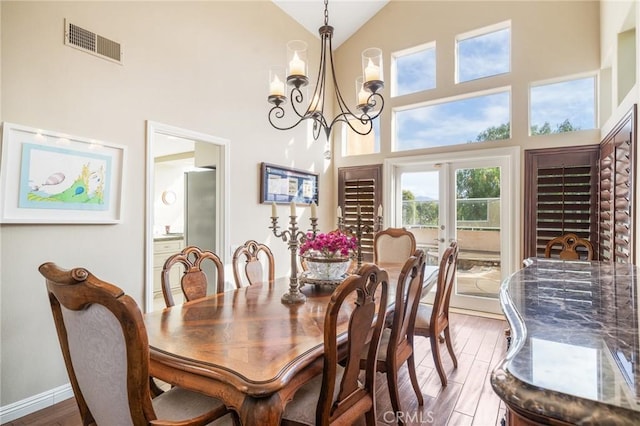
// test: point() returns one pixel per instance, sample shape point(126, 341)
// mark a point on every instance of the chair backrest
point(408, 293)
point(344, 402)
point(194, 280)
point(393, 245)
point(256, 256)
point(569, 245)
point(104, 345)
point(446, 278)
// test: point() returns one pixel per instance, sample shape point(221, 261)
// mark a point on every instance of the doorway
point(172, 154)
point(469, 198)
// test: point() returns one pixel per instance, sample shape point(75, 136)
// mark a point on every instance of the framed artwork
point(48, 177)
point(283, 184)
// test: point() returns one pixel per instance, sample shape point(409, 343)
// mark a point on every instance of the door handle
point(439, 240)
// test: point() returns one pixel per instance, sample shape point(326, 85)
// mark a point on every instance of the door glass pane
point(420, 210)
point(477, 216)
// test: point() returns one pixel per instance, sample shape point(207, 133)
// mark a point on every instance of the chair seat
point(302, 410)
point(180, 404)
point(423, 317)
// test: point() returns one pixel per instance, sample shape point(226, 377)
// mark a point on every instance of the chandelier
point(367, 98)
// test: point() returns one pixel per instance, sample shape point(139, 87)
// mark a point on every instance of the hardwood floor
point(468, 399)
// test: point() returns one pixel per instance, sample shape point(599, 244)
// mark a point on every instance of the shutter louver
point(360, 188)
point(564, 204)
point(561, 185)
point(617, 168)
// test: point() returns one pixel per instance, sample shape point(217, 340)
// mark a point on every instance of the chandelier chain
point(326, 12)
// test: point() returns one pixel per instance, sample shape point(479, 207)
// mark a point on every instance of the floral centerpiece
point(327, 256)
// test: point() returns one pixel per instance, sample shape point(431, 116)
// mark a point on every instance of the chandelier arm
point(274, 112)
point(297, 98)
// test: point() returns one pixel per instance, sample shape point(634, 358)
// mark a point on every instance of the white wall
point(201, 66)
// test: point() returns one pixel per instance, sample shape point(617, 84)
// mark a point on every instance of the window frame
point(406, 52)
point(563, 79)
point(499, 26)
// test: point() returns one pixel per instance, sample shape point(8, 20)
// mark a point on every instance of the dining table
point(246, 347)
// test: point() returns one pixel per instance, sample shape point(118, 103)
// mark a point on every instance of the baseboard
point(34, 403)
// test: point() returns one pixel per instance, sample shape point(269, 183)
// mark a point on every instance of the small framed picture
point(49, 177)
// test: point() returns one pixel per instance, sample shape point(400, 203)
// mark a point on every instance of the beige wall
point(201, 66)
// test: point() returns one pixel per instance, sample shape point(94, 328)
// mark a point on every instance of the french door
point(469, 199)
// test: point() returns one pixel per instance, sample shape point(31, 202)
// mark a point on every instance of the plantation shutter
point(560, 195)
point(617, 169)
point(360, 189)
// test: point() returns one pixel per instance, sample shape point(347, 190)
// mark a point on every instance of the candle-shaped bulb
point(293, 208)
point(296, 65)
point(371, 72)
point(339, 211)
point(274, 211)
point(276, 88)
point(314, 213)
point(363, 97)
point(380, 210)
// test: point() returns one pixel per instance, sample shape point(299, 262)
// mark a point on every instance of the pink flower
point(331, 244)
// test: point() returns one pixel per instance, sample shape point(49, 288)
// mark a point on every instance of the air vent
point(90, 42)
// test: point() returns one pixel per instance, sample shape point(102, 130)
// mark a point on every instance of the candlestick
point(293, 208)
point(293, 236)
point(314, 213)
point(274, 211)
point(360, 228)
point(339, 211)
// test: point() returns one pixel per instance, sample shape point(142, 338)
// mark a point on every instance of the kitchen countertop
point(168, 237)
point(575, 351)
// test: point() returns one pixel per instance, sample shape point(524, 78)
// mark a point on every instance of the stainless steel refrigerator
point(200, 216)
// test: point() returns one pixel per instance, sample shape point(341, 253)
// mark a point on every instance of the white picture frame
point(50, 177)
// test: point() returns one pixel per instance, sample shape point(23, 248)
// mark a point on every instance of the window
point(483, 53)
point(413, 70)
point(563, 106)
point(473, 119)
point(560, 195)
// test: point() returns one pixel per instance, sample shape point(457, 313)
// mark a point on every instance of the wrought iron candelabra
point(293, 236)
point(360, 228)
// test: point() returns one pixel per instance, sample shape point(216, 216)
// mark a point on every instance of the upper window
point(483, 53)
point(473, 119)
point(413, 70)
point(564, 106)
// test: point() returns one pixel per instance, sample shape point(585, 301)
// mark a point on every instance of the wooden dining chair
point(338, 394)
point(393, 245)
point(105, 348)
point(432, 321)
point(396, 344)
point(569, 247)
point(194, 281)
point(249, 263)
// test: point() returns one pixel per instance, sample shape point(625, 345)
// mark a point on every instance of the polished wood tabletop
point(245, 346)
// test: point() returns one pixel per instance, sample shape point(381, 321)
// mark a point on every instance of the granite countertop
point(575, 345)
